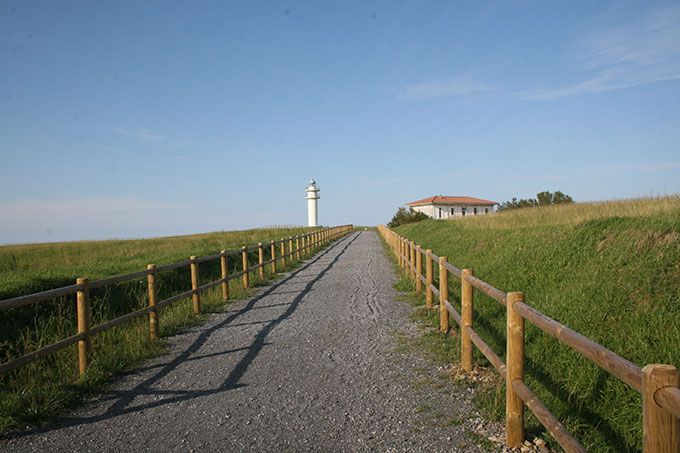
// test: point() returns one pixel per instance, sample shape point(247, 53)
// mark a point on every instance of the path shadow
point(124, 398)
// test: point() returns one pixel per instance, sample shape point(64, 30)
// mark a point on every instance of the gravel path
point(314, 362)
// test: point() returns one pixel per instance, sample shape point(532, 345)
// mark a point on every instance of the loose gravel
point(313, 362)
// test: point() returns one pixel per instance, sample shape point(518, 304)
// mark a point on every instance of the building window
point(440, 213)
point(463, 210)
point(475, 211)
point(486, 210)
point(452, 210)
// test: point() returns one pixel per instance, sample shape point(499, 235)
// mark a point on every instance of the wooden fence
point(658, 384)
point(303, 245)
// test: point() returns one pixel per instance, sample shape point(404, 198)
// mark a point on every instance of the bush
point(403, 217)
point(542, 199)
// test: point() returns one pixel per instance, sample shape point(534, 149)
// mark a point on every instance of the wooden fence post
point(272, 249)
point(514, 407)
point(244, 260)
point(297, 247)
point(84, 345)
point(225, 275)
point(196, 297)
point(467, 310)
point(283, 252)
point(419, 269)
point(407, 256)
point(412, 260)
point(290, 249)
point(153, 300)
point(260, 258)
point(660, 428)
point(428, 279)
point(400, 252)
point(443, 294)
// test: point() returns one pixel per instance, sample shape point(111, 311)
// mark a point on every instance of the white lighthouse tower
point(312, 208)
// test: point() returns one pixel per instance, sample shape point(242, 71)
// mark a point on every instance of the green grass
point(42, 389)
point(610, 271)
point(30, 268)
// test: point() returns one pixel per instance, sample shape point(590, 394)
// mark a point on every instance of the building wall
point(427, 210)
point(433, 210)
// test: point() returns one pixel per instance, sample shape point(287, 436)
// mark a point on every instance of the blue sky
point(141, 119)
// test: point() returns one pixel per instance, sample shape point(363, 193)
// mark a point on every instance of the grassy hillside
point(610, 271)
point(30, 268)
point(41, 389)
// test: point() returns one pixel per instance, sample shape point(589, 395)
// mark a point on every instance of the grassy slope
point(614, 279)
point(30, 268)
point(43, 388)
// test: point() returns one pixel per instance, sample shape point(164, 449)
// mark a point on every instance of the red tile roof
point(441, 199)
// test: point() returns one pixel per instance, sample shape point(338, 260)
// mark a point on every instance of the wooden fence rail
point(658, 384)
point(83, 286)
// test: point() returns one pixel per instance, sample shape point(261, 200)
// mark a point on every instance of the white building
point(443, 207)
point(312, 206)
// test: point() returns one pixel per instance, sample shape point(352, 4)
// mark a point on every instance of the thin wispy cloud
point(419, 178)
point(639, 168)
point(141, 133)
point(95, 206)
point(100, 218)
point(638, 53)
point(614, 170)
point(663, 166)
point(459, 85)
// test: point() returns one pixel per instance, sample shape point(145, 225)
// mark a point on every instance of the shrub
point(403, 217)
point(542, 199)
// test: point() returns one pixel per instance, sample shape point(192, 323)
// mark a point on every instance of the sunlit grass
point(608, 270)
point(30, 268)
point(572, 213)
point(35, 392)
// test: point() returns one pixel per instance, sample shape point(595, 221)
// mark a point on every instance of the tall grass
point(30, 268)
point(610, 271)
point(572, 213)
point(40, 390)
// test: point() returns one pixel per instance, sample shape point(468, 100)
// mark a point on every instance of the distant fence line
point(658, 384)
point(297, 247)
point(280, 227)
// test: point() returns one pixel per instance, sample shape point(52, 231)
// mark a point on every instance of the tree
point(402, 217)
point(542, 199)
